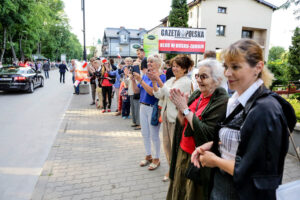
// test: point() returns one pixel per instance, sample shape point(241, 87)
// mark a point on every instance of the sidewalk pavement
point(96, 156)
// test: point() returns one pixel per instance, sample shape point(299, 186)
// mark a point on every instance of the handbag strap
point(293, 143)
point(198, 104)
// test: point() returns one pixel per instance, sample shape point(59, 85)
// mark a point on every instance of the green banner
point(150, 44)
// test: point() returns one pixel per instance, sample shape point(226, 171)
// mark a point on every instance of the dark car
point(20, 78)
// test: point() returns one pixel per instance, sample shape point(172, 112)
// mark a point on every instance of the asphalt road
point(28, 126)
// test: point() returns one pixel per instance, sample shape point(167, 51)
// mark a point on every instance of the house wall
point(245, 13)
point(114, 47)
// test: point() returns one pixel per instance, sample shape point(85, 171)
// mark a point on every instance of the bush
point(296, 105)
point(295, 96)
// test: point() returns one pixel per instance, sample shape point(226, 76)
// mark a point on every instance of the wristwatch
point(186, 112)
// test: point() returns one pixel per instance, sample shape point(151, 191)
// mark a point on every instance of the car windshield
point(12, 70)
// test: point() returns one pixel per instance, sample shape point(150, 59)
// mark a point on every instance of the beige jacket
point(184, 84)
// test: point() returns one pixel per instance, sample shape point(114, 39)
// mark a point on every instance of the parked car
point(20, 78)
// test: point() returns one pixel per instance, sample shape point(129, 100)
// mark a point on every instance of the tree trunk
point(4, 44)
point(21, 50)
point(12, 48)
point(38, 51)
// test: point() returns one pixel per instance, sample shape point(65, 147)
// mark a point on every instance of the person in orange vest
point(72, 70)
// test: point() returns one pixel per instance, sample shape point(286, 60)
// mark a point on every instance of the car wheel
point(31, 88)
point(42, 82)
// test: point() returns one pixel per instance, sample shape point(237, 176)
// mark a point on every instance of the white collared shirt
point(242, 99)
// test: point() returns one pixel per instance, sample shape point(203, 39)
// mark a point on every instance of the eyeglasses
point(201, 76)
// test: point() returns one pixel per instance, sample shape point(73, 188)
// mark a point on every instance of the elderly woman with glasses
point(147, 101)
point(196, 124)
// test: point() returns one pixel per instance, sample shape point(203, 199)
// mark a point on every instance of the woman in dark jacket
point(253, 139)
point(196, 124)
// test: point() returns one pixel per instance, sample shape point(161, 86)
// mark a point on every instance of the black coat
point(46, 66)
point(144, 63)
point(62, 68)
point(264, 144)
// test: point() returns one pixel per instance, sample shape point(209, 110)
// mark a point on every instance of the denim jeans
point(149, 132)
point(223, 188)
point(46, 73)
point(76, 88)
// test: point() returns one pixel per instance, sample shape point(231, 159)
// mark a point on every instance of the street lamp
point(83, 12)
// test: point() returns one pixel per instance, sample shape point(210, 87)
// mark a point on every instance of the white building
point(227, 21)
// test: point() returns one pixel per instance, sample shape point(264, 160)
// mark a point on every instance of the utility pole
point(83, 12)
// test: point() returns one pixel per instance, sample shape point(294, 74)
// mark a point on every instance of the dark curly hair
point(184, 61)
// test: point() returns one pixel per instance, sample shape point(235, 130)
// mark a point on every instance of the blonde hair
point(249, 51)
point(128, 59)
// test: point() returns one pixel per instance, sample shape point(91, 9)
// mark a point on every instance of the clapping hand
point(179, 99)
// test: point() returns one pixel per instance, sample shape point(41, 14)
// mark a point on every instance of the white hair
point(217, 70)
point(157, 59)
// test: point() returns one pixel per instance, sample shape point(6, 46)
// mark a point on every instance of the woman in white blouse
point(253, 140)
point(180, 65)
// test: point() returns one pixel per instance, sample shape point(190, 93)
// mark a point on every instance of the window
point(247, 34)
point(220, 30)
point(123, 38)
point(30, 71)
point(222, 10)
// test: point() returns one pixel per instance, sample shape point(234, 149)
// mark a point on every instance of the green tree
point(275, 53)
point(293, 57)
point(92, 50)
point(178, 17)
point(8, 12)
point(36, 26)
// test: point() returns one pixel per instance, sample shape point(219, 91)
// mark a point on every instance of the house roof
point(267, 4)
point(160, 25)
point(195, 2)
point(133, 33)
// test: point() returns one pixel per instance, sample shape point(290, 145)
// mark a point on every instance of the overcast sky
point(135, 14)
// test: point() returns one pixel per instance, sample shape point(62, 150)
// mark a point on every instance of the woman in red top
point(196, 122)
point(106, 86)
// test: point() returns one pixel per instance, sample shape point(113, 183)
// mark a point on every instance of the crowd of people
point(225, 135)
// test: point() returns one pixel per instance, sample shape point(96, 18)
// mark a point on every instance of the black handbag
point(112, 81)
point(136, 96)
point(194, 173)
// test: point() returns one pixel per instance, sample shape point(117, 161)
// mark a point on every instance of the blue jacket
point(117, 75)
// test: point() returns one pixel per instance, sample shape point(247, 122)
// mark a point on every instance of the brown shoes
point(155, 164)
point(117, 114)
point(146, 161)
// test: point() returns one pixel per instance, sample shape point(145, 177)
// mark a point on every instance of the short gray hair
point(156, 58)
point(216, 68)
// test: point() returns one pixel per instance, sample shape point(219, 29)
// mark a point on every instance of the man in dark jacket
point(62, 70)
point(46, 68)
point(141, 55)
